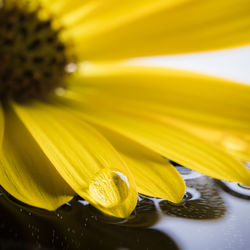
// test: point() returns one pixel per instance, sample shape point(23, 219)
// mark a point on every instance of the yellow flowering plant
point(76, 118)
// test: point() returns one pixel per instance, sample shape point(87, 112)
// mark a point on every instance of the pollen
point(33, 60)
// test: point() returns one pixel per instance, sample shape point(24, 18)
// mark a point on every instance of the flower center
point(32, 58)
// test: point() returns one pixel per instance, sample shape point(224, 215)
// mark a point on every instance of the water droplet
point(109, 187)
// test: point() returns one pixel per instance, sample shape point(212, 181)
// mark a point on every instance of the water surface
point(213, 215)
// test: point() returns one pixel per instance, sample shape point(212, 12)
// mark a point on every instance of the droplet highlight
point(109, 187)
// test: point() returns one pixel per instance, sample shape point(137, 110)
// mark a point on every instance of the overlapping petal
point(135, 28)
point(51, 150)
point(212, 108)
point(235, 143)
point(25, 171)
point(174, 143)
point(141, 112)
point(82, 156)
point(199, 98)
point(60, 7)
point(154, 175)
point(1, 124)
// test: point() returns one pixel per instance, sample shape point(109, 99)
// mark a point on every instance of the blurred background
point(231, 63)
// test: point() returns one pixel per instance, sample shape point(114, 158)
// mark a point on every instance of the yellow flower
point(105, 135)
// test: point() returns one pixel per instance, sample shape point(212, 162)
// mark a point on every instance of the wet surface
point(212, 215)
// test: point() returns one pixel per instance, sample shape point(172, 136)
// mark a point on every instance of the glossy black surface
point(212, 215)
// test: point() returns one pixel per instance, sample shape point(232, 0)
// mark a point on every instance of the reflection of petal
point(75, 226)
point(202, 201)
point(145, 214)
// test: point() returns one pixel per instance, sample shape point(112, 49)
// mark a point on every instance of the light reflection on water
point(212, 215)
point(222, 220)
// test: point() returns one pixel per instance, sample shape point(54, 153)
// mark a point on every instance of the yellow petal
point(60, 7)
point(135, 28)
point(86, 161)
point(71, 17)
point(63, 12)
point(173, 143)
point(206, 100)
point(1, 125)
point(26, 173)
point(215, 109)
point(135, 101)
point(154, 176)
point(233, 142)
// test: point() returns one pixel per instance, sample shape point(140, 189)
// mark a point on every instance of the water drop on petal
point(109, 187)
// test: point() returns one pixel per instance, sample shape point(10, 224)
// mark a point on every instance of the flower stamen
point(33, 60)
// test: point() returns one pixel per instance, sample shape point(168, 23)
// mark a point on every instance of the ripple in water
point(236, 189)
point(144, 215)
point(74, 226)
point(191, 194)
point(201, 201)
